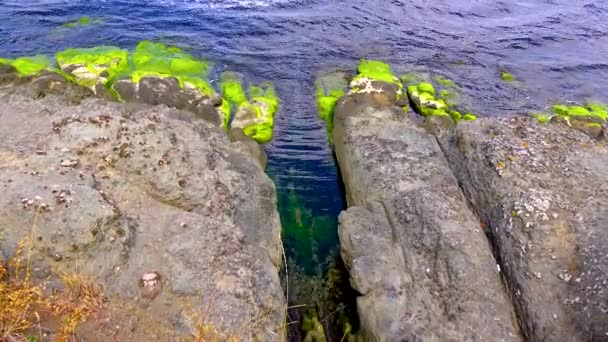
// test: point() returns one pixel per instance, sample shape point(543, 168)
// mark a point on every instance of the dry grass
point(29, 311)
point(26, 305)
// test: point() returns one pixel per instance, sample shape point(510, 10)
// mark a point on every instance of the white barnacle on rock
point(363, 85)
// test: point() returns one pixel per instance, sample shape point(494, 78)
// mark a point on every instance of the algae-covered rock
point(91, 67)
point(329, 88)
point(254, 114)
point(313, 328)
point(507, 76)
point(121, 191)
point(414, 250)
point(376, 77)
point(423, 95)
point(541, 191)
point(29, 66)
point(82, 22)
point(595, 111)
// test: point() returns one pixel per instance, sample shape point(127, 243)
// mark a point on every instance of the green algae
point(312, 327)
point(226, 110)
point(445, 82)
point(426, 104)
point(261, 132)
point(456, 116)
point(262, 100)
point(265, 94)
point(593, 111)
point(426, 87)
point(469, 117)
point(106, 64)
point(541, 117)
point(232, 88)
point(507, 76)
point(376, 71)
point(30, 66)
point(160, 60)
point(330, 87)
point(309, 237)
point(91, 63)
point(82, 21)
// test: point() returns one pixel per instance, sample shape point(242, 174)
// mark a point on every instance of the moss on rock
point(329, 88)
point(376, 71)
point(426, 104)
point(82, 21)
point(91, 66)
point(445, 82)
point(593, 111)
point(254, 114)
point(507, 76)
point(30, 66)
point(160, 60)
point(542, 117)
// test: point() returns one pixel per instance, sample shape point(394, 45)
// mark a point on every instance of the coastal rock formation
point(157, 206)
point(414, 250)
point(542, 191)
point(155, 74)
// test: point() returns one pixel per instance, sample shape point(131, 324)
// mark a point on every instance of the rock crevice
point(413, 248)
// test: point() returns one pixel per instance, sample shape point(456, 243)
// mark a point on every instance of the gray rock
point(167, 91)
point(118, 191)
point(542, 190)
point(414, 250)
point(255, 149)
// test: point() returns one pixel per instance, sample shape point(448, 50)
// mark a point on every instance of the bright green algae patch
point(377, 71)
point(423, 95)
point(90, 63)
point(232, 88)
point(29, 66)
point(329, 88)
point(507, 76)
point(160, 60)
point(591, 111)
point(82, 21)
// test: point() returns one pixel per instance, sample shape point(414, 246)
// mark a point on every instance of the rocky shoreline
point(161, 208)
point(483, 230)
point(130, 169)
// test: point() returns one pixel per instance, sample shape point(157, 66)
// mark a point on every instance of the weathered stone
point(245, 115)
point(542, 191)
point(157, 90)
point(255, 149)
point(126, 89)
point(206, 111)
point(116, 190)
point(414, 250)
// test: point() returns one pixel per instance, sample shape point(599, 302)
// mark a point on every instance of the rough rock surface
point(542, 190)
point(414, 250)
point(126, 191)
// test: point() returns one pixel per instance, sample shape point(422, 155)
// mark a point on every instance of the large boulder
point(542, 191)
point(414, 250)
point(134, 196)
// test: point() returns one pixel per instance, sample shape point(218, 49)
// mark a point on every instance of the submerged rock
point(329, 88)
point(542, 192)
point(414, 250)
point(126, 193)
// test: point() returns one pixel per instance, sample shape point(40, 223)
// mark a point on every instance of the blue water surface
point(557, 49)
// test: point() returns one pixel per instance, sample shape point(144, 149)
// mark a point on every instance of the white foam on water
point(224, 4)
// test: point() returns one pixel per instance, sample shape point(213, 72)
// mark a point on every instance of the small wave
point(225, 4)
